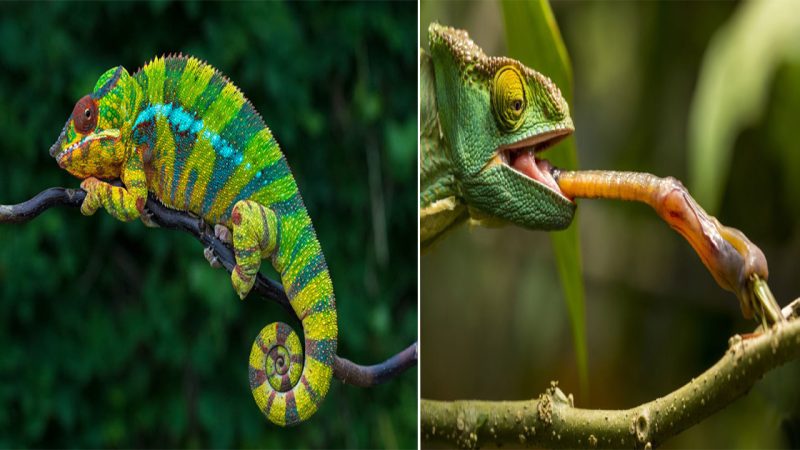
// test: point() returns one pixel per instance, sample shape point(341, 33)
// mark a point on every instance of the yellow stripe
point(279, 190)
point(320, 326)
point(155, 80)
point(261, 396)
point(302, 257)
point(257, 151)
point(277, 414)
point(318, 376)
point(313, 291)
point(164, 157)
point(305, 405)
point(223, 109)
point(201, 159)
point(193, 82)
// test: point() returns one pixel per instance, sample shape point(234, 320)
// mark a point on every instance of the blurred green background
point(492, 315)
point(115, 335)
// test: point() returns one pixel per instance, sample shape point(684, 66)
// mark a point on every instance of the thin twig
point(344, 369)
point(552, 420)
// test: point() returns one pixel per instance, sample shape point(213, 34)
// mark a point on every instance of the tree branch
point(552, 420)
point(343, 369)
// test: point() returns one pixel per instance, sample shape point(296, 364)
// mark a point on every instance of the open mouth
point(521, 157)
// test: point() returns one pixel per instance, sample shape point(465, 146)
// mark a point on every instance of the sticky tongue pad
point(539, 170)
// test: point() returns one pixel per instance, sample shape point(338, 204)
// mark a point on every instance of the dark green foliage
point(117, 335)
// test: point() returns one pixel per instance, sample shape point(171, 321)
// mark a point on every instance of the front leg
point(123, 203)
point(255, 236)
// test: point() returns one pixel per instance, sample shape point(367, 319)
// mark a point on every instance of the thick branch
point(344, 369)
point(552, 421)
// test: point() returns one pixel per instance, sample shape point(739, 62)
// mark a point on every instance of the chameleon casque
point(180, 130)
point(483, 123)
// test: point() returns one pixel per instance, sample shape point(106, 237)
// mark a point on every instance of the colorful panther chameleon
point(182, 131)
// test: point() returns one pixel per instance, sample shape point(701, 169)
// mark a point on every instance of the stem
point(552, 421)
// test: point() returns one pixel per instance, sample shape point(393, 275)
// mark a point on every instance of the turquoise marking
point(182, 121)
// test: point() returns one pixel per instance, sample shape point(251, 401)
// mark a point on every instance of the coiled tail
point(287, 385)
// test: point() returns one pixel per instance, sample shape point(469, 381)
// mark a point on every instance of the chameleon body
point(182, 131)
point(483, 120)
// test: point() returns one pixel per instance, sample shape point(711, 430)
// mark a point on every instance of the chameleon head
point(496, 115)
point(90, 143)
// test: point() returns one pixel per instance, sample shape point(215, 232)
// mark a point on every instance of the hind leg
point(255, 234)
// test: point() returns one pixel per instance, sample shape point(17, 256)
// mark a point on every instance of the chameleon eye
point(508, 98)
point(85, 115)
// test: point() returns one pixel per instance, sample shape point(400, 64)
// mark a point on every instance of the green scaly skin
point(181, 131)
point(481, 120)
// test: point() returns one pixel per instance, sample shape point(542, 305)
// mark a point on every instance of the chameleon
point(181, 131)
point(484, 122)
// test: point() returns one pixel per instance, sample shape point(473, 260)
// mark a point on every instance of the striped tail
point(287, 387)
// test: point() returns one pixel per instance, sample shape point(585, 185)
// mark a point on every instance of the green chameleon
point(482, 120)
point(483, 123)
point(183, 132)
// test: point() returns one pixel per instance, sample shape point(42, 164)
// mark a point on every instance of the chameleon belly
point(206, 150)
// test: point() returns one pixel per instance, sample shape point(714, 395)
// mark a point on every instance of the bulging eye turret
point(508, 98)
point(85, 115)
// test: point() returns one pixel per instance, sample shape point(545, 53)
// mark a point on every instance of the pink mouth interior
point(538, 169)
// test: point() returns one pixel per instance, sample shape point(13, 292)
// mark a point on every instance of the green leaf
point(533, 37)
point(733, 87)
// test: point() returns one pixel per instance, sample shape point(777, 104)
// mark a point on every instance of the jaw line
point(112, 133)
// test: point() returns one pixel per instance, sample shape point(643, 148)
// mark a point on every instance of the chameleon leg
point(255, 232)
point(123, 203)
point(734, 261)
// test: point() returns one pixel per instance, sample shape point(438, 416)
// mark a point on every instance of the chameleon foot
point(147, 218)
point(223, 234)
point(211, 257)
point(734, 262)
